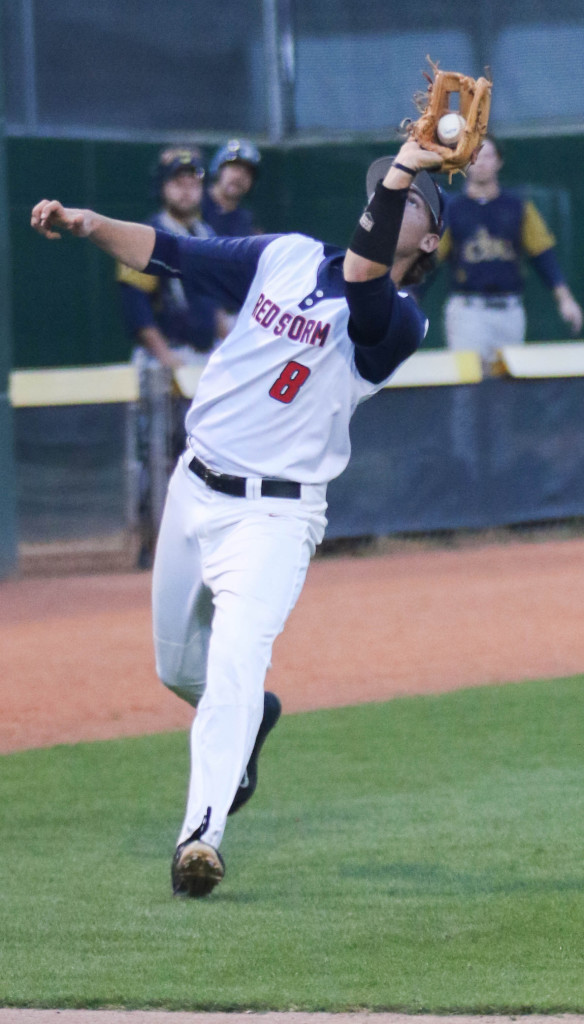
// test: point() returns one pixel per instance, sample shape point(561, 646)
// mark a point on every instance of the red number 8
point(288, 384)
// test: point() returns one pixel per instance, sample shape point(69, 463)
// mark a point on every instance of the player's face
point(417, 231)
point(182, 194)
point(235, 180)
point(486, 166)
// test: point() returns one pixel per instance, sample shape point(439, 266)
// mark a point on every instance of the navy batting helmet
point(175, 159)
point(236, 151)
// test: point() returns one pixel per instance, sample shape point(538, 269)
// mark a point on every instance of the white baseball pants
point(471, 324)
point(227, 573)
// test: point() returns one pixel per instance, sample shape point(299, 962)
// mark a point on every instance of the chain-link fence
point(283, 69)
point(92, 474)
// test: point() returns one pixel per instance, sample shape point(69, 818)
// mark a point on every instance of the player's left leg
point(247, 786)
point(256, 567)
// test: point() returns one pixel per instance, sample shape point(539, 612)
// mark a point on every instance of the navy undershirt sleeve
point(222, 268)
point(385, 327)
point(548, 268)
point(370, 305)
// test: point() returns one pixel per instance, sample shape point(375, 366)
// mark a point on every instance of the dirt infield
point(77, 659)
point(77, 665)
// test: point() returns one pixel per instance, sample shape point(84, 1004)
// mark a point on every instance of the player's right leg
point(182, 606)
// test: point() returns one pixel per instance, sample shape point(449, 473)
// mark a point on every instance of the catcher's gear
point(474, 107)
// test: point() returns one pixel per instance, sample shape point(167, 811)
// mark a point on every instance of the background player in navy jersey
point(233, 171)
point(320, 330)
point(169, 328)
point(489, 232)
point(165, 324)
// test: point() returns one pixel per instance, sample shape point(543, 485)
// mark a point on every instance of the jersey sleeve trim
point(535, 236)
point(445, 245)
point(144, 282)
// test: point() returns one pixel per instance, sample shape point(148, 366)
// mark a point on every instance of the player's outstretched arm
point(129, 243)
point(385, 219)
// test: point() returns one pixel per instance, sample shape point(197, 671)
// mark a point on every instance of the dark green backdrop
point(64, 299)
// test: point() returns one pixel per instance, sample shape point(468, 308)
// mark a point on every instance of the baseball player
point(320, 330)
point(233, 171)
point(168, 328)
point(488, 233)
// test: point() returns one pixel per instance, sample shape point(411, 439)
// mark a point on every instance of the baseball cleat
point(196, 869)
point(247, 786)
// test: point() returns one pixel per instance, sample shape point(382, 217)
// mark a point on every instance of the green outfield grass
point(424, 854)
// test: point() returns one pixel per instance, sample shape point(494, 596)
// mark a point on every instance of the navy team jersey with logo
point(486, 240)
point(276, 397)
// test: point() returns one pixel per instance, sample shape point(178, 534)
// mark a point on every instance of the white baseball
point(450, 128)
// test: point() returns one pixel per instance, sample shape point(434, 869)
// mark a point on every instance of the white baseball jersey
point(277, 396)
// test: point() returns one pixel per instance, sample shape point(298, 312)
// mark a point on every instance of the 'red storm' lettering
point(265, 306)
point(298, 328)
point(282, 323)
point(270, 316)
point(320, 334)
point(258, 304)
point(307, 332)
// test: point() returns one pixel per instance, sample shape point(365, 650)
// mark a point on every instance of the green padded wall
point(8, 544)
point(64, 297)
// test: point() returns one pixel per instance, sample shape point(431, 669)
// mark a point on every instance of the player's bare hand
point(413, 155)
point(50, 218)
point(571, 313)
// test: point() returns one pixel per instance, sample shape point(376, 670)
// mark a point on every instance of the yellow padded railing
point(430, 368)
point(73, 386)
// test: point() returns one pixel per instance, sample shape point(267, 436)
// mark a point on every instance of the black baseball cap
point(422, 182)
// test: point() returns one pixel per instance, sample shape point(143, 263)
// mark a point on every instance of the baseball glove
point(474, 106)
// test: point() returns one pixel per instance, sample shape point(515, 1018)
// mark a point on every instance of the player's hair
point(425, 264)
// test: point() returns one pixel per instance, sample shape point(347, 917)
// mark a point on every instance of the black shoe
point(247, 786)
point(197, 867)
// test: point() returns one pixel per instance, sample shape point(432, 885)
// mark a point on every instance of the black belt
point(494, 301)
point(236, 485)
